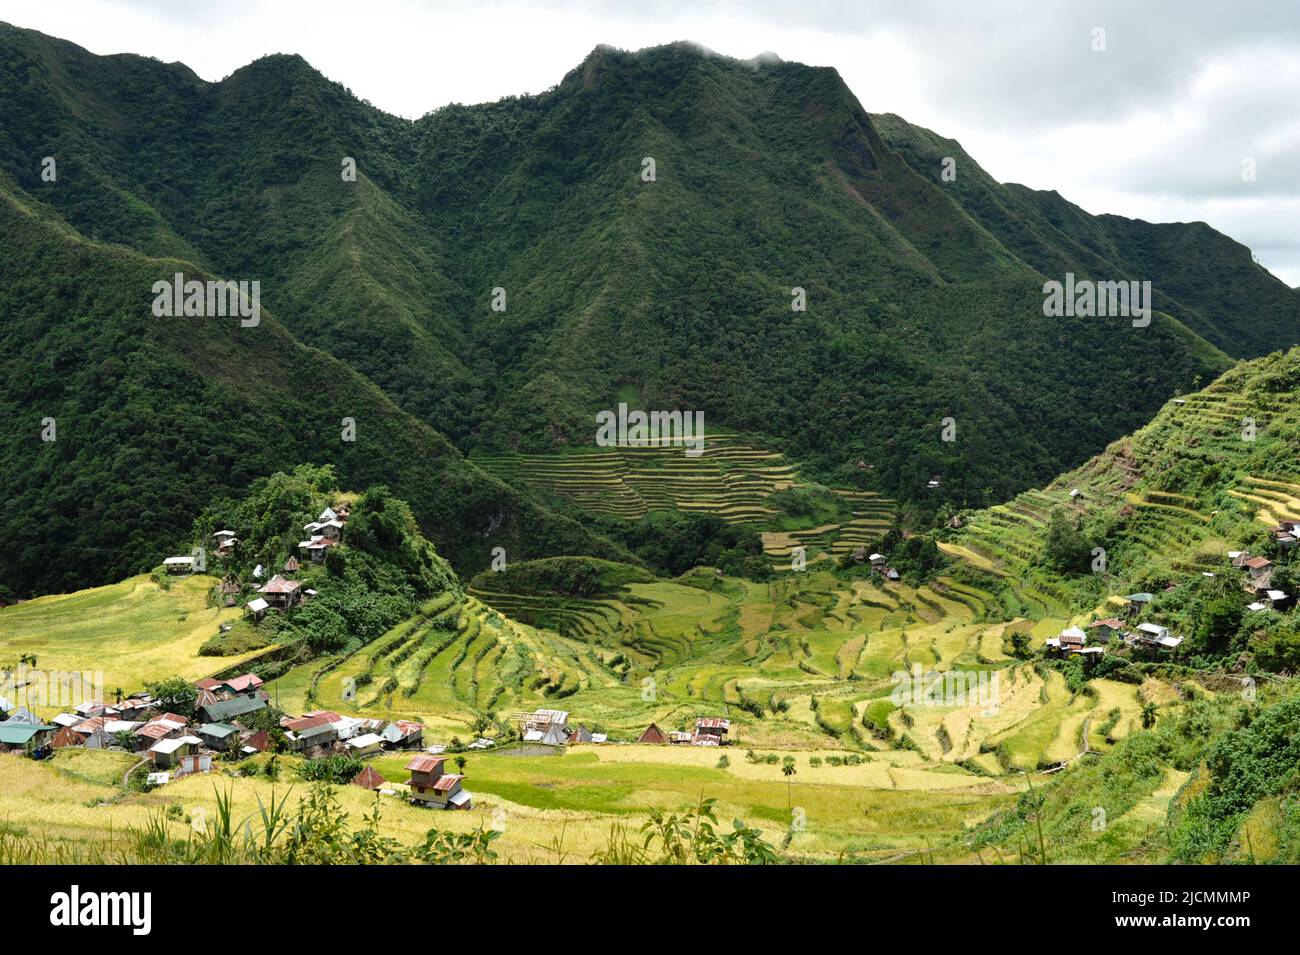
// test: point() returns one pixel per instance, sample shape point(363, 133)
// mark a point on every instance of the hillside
point(1012, 754)
point(157, 418)
point(1201, 277)
point(674, 293)
point(1212, 472)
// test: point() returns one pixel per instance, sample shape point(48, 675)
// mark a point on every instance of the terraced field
point(730, 479)
point(804, 661)
point(1157, 526)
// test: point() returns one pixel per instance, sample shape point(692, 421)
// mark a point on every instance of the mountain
point(153, 419)
point(1213, 471)
point(924, 301)
point(1201, 277)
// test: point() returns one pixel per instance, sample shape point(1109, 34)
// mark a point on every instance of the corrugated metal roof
point(368, 778)
point(424, 763)
point(447, 783)
point(219, 712)
point(217, 730)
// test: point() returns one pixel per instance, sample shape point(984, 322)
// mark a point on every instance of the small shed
point(368, 778)
point(653, 734)
point(365, 745)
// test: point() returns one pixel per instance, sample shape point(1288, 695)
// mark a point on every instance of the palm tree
point(1148, 715)
point(788, 770)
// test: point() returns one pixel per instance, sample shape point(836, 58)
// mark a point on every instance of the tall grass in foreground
point(316, 832)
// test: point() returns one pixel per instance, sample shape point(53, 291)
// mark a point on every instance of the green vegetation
point(563, 577)
point(676, 292)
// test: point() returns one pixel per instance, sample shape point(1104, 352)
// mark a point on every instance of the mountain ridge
point(771, 176)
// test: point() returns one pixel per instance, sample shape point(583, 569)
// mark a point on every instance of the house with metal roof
point(1139, 601)
point(366, 744)
point(1157, 637)
point(220, 736)
point(403, 734)
point(711, 731)
point(542, 720)
point(167, 752)
point(306, 732)
point(225, 710)
point(280, 592)
point(179, 565)
point(14, 736)
point(430, 786)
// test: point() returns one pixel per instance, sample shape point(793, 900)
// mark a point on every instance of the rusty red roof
point(307, 723)
point(1257, 562)
point(424, 763)
point(368, 778)
point(245, 681)
point(66, 736)
point(1112, 622)
point(154, 730)
point(279, 585)
point(86, 727)
point(446, 783)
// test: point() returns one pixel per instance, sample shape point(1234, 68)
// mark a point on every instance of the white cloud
point(1154, 127)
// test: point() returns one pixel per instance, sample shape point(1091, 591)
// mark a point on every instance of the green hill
point(677, 292)
point(157, 418)
point(1213, 472)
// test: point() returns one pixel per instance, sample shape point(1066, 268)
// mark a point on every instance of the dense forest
point(921, 298)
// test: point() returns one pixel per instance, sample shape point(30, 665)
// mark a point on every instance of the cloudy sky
point(1156, 125)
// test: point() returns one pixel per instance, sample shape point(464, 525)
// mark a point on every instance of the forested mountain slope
point(154, 418)
point(672, 293)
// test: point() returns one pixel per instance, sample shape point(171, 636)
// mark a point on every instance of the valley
point(915, 714)
point(950, 577)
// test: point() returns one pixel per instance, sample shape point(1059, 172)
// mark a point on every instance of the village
point(228, 726)
point(1155, 639)
point(233, 717)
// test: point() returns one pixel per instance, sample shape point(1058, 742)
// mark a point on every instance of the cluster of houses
point(282, 592)
point(709, 731)
point(1286, 534)
point(175, 746)
point(1257, 574)
point(551, 728)
point(879, 563)
point(1092, 644)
